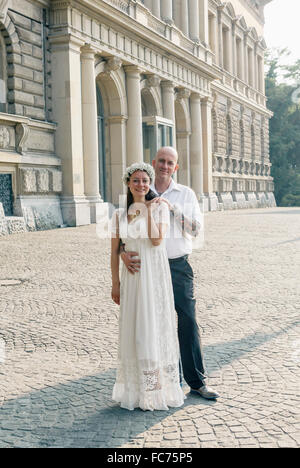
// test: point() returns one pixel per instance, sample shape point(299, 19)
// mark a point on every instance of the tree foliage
point(283, 93)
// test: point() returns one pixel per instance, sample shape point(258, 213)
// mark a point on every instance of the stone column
point(251, 66)
point(246, 64)
point(148, 4)
point(117, 131)
point(203, 21)
point(168, 102)
point(214, 37)
point(183, 148)
point(194, 20)
point(261, 74)
point(90, 131)
point(228, 51)
point(185, 17)
point(181, 15)
point(134, 132)
point(206, 106)
point(220, 39)
point(156, 8)
point(240, 60)
point(196, 151)
point(255, 62)
point(234, 50)
point(67, 113)
point(166, 12)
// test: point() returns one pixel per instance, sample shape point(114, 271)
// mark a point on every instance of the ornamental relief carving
point(4, 137)
point(22, 133)
point(40, 180)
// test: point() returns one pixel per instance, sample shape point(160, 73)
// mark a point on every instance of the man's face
point(165, 164)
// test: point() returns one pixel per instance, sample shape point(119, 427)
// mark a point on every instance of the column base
point(262, 201)
point(211, 201)
point(251, 199)
point(96, 209)
point(75, 211)
point(225, 198)
point(240, 199)
point(271, 200)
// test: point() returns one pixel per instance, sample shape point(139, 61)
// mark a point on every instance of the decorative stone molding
point(182, 93)
point(55, 181)
point(4, 137)
point(42, 180)
point(152, 81)
point(28, 180)
point(22, 133)
point(3, 9)
point(113, 64)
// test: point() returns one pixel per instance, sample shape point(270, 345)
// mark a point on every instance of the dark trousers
point(188, 330)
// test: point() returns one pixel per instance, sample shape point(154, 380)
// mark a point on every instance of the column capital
point(153, 81)
point(167, 84)
point(133, 70)
point(113, 64)
point(64, 41)
point(117, 119)
point(195, 96)
point(182, 93)
point(88, 52)
point(207, 101)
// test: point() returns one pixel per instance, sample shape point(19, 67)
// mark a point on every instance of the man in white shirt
point(186, 221)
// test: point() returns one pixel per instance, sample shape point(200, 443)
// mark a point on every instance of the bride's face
point(139, 184)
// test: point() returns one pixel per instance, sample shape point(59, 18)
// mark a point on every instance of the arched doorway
point(101, 145)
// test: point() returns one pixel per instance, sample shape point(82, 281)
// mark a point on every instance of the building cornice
point(101, 10)
point(231, 94)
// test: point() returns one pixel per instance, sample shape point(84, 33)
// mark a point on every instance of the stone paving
point(58, 340)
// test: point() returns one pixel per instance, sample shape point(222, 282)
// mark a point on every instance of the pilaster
point(196, 149)
point(134, 135)
point(67, 113)
point(90, 131)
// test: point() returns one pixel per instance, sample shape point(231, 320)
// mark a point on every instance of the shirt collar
point(173, 186)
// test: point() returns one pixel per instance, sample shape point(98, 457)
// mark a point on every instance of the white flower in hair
point(141, 166)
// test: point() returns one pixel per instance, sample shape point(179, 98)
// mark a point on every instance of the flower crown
point(139, 167)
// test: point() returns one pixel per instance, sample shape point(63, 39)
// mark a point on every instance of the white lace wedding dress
point(148, 353)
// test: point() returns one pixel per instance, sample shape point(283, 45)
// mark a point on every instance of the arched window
point(3, 76)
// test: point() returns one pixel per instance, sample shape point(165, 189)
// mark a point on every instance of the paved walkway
point(58, 340)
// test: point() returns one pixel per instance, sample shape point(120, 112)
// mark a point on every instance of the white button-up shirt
point(183, 198)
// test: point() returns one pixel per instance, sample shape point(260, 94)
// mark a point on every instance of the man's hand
point(131, 261)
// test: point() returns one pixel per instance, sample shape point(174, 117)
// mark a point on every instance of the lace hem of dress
point(151, 387)
point(161, 400)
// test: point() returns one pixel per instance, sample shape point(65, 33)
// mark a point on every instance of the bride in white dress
point(148, 351)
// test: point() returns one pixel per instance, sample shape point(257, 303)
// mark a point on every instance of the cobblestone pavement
point(58, 340)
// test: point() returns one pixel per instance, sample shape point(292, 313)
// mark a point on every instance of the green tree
point(283, 93)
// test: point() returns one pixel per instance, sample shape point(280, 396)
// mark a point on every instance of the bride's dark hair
point(149, 196)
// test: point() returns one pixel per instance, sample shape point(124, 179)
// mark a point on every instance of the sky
point(282, 26)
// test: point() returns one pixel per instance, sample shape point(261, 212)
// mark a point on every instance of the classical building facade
point(89, 87)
